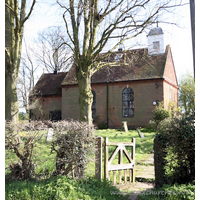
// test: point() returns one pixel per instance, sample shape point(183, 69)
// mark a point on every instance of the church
point(128, 90)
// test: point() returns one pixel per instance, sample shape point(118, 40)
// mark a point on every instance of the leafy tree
point(93, 24)
point(15, 18)
point(187, 94)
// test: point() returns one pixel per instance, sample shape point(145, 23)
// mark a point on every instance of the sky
point(179, 37)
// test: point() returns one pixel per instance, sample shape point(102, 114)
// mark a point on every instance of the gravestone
point(50, 134)
point(140, 133)
point(125, 127)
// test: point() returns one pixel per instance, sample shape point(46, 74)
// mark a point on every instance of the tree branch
point(22, 13)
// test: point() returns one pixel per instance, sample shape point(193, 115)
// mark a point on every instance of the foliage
point(187, 94)
point(73, 142)
point(170, 192)
point(159, 114)
point(177, 138)
point(23, 149)
point(23, 116)
point(62, 187)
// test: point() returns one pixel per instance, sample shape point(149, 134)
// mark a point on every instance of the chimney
point(55, 71)
point(120, 49)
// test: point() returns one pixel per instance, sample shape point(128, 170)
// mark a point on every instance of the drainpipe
point(107, 103)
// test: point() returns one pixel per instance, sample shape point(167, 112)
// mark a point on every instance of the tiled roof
point(126, 66)
point(49, 84)
point(132, 65)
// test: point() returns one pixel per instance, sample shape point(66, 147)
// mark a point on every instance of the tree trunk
point(85, 96)
point(11, 104)
point(13, 44)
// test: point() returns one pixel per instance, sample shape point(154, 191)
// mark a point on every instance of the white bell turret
point(156, 41)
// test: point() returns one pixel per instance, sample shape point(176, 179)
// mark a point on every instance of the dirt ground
point(143, 170)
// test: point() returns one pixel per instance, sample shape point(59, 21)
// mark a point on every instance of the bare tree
point(51, 51)
point(15, 18)
point(93, 24)
point(26, 79)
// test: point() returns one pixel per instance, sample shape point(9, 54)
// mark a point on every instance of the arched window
point(94, 104)
point(128, 103)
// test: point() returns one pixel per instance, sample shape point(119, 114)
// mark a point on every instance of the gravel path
point(144, 169)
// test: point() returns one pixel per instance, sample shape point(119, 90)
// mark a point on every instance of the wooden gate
point(128, 168)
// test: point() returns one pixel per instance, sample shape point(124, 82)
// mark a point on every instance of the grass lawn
point(46, 161)
point(46, 166)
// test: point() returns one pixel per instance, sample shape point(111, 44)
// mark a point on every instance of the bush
point(160, 115)
point(23, 149)
point(72, 143)
point(177, 137)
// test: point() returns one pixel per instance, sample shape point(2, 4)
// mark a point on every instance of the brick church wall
point(46, 104)
point(145, 93)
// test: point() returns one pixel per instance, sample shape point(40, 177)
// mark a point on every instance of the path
point(144, 170)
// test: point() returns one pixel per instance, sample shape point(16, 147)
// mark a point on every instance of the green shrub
point(177, 137)
point(160, 115)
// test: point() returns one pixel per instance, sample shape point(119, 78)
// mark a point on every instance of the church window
point(128, 103)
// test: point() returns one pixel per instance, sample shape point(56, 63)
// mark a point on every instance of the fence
point(128, 168)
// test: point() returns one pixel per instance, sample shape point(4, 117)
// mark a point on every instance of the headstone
point(140, 133)
point(125, 127)
point(50, 134)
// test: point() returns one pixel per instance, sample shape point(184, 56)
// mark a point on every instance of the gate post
point(106, 175)
point(133, 157)
point(98, 157)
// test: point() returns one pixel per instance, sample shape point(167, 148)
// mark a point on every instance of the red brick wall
point(46, 104)
point(70, 103)
point(145, 93)
point(170, 85)
point(169, 73)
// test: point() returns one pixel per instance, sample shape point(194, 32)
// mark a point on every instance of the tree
point(51, 52)
point(15, 18)
point(26, 78)
point(93, 24)
point(187, 94)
